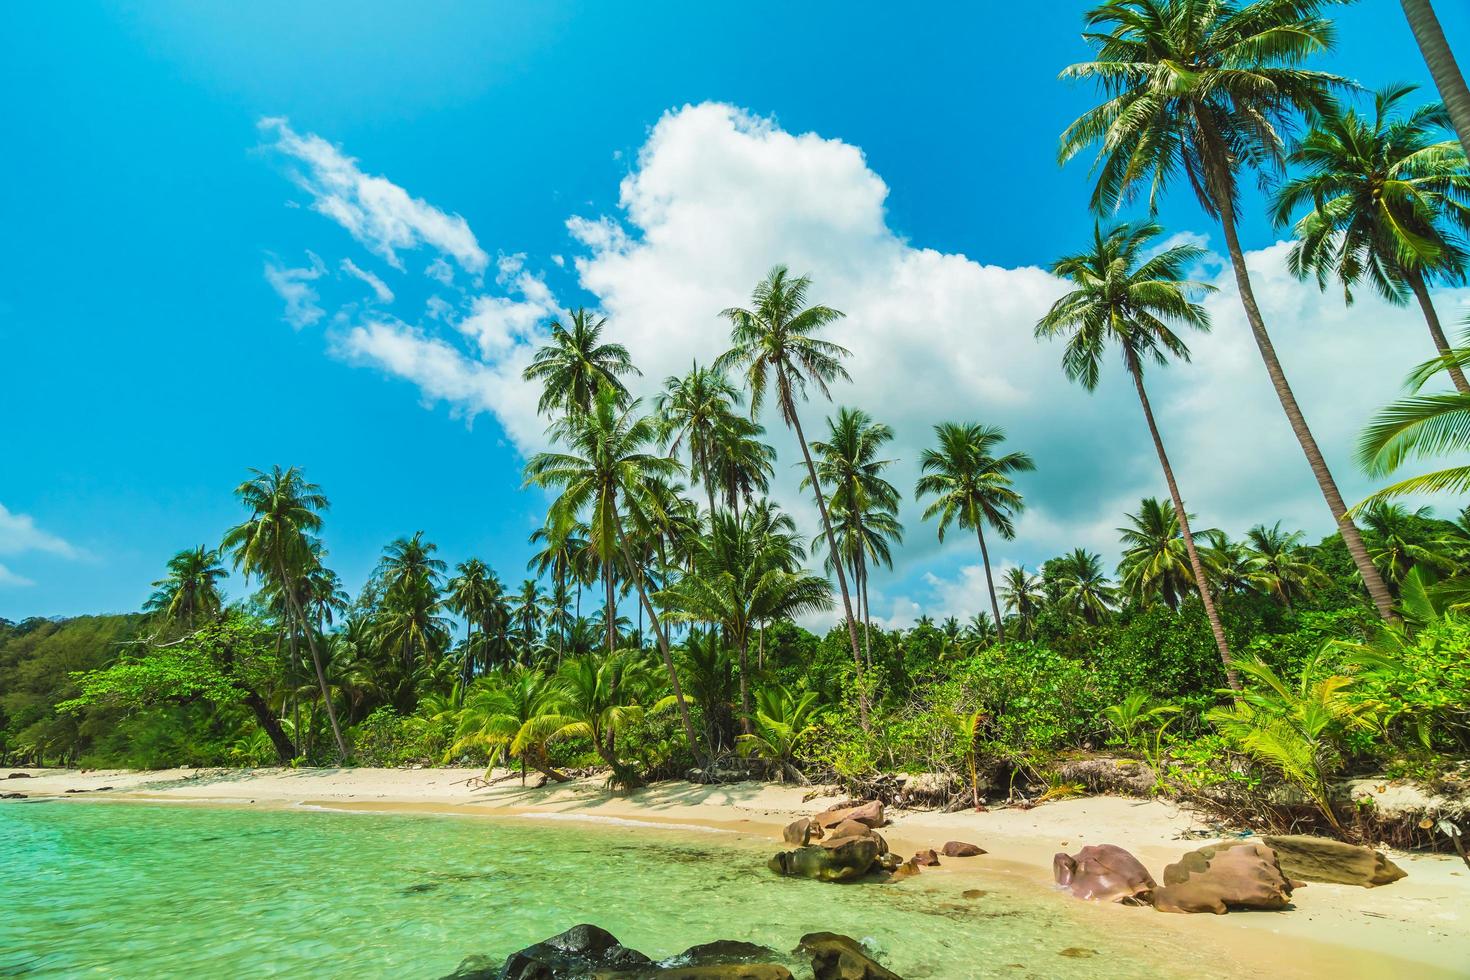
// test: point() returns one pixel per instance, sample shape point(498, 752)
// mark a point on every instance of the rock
point(1104, 873)
point(12, 796)
point(1078, 952)
point(870, 813)
point(1323, 859)
point(19, 775)
point(829, 861)
point(710, 971)
point(849, 830)
point(973, 893)
point(1237, 874)
point(960, 849)
point(888, 862)
point(927, 858)
point(800, 833)
point(721, 951)
point(836, 957)
point(907, 869)
point(580, 951)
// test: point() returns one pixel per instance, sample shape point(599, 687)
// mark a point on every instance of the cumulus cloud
point(293, 285)
point(380, 289)
point(377, 212)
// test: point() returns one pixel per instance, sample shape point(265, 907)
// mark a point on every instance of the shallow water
point(141, 890)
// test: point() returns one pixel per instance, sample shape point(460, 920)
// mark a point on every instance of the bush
point(386, 738)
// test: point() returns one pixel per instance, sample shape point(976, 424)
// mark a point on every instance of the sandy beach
point(1416, 926)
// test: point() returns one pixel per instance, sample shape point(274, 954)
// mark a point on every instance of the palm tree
point(1155, 562)
point(783, 720)
point(408, 622)
point(739, 579)
point(275, 544)
point(1442, 67)
point(972, 487)
point(743, 465)
point(1023, 595)
point(575, 366)
point(1082, 588)
point(1208, 91)
point(1398, 540)
point(866, 538)
point(516, 712)
point(528, 613)
point(1276, 563)
point(601, 696)
point(1387, 199)
point(470, 595)
point(1229, 564)
point(189, 593)
point(606, 475)
point(774, 342)
point(692, 411)
point(1420, 425)
point(1123, 298)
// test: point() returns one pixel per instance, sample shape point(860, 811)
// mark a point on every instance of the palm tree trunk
point(709, 488)
point(316, 661)
point(1201, 582)
point(1442, 66)
point(663, 647)
point(1000, 631)
point(1351, 537)
point(609, 613)
point(857, 656)
point(744, 683)
point(1431, 317)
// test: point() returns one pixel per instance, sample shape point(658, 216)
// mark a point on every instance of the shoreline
point(1416, 924)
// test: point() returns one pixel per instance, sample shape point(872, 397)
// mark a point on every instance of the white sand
point(1417, 926)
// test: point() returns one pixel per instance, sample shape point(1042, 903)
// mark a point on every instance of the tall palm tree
point(529, 613)
point(1023, 595)
point(1155, 563)
point(972, 487)
point(1276, 563)
point(606, 474)
point(576, 365)
point(1208, 91)
point(1082, 588)
point(692, 410)
point(412, 579)
point(189, 593)
point(1390, 202)
point(1442, 66)
point(470, 596)
point(866, 537)
point(1126, 299)
point(275, 544)
point(743, 464)
point(774, 342)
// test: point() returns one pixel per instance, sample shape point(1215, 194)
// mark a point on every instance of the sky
point(330, 235)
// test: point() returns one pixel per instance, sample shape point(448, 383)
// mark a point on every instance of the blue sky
point(149, 361)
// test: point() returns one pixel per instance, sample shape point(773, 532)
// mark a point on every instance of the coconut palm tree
point(1442, 66)
point(774, 342)
point(1023, 595)
point(1389, 202)
point(576, 365)
point(1277, 565)
point(1419, 425)
point(1397, 540)
point(743, 464)
point(516, 712)
point(784, 719)
point(691, 412)
point(606, 475)
point(1208, 92)
point(1082, 589)
point(470, 596)
point(189, 593)
point(866, 538)
point(600, 697)
point(1155, 563)
point(973, 488)
point(528, 613)
point(1125, 298)
point(408, 620)
point(275, 544)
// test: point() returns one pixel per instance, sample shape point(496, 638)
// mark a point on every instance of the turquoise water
point(142, 890)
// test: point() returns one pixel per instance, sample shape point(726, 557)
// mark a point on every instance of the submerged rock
point(833, 860)
point(838, 957)
point(1323, 859)
point(1237, 874)
point(869, 813)
point(12, 796)
point(907, 869)
point(581, 951)
point(1104, 873)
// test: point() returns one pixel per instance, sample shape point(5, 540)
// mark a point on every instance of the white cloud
point(293, 285)
point(374, 210)
point(441, 272)
point(9, 579)
point(19, 534)
point(380, 288)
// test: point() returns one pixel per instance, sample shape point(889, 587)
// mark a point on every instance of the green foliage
point(1136, 712)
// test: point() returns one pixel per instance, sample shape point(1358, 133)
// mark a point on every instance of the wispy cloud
point(9, 579)
point(294, 286)
point(379, 287)
point(377, 212)
point(19, 535)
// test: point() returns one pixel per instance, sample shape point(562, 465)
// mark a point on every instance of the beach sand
point(1418, 926)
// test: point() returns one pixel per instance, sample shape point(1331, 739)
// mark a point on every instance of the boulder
point(1323, 859)
point(580, 951)
point(800, 833)
point(721, 951)
point(836, 957)
point(870, 813)
point(888, 862)
point(19, 775)
point(927, 858)
point(12, 796)
point(1237, 874)
point(1104, 873)
point(833, 860)
point(960, 849)
point(850, 829)
point(907, 869)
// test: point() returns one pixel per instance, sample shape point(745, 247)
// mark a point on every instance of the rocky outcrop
point(1310, 858)
point(831, 860)
point(961, 849)
point(849, 829)
point(927, 858)
point(1104, 873)
point(581, 951)
point(800, 833)
point(1236, 874)
point(12, 796)
point(836, 957)
point(869, 813)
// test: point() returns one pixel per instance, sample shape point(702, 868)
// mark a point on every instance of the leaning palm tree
point(972, 487)
point(774, 342)
point(516, 713)
point(691, 411)
point(576, 365)
point(1442, 66)
point(1123, 297)
point(1208, 92)
point(275, 544)
point(1390, 203)
point(606, 475)
point(189, 593)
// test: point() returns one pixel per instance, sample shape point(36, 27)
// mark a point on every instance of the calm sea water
point(141, 890)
